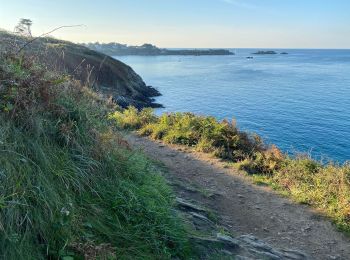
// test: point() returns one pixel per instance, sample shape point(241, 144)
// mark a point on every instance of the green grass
point(67, 181)
point(323, 186)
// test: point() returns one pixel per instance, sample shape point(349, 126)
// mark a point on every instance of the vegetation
point(117, 49)
point(324, 186)
point(69, 185)
point(24, 27)
point(103, 73)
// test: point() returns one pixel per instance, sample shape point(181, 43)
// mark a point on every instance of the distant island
point(264, 52)
point(267, 53)
point(117, 49)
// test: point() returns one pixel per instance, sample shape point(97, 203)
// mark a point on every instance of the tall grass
point(325, 187)
point(68, 186)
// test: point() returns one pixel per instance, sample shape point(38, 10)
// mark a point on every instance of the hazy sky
point(190, 23)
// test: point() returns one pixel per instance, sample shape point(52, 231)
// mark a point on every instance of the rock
point(200, 216)
point(226, 252)
point(239, 257)
point(264, 52)
point(260, 249)
point(306, 229)
point(229, 241)
point(188, 205)
point(227, 244)
point(205, 240)
point(293, 254)
point(246, 247)
point(201, 223)
point(214, 194)
point(208, 242)
point(125, 102)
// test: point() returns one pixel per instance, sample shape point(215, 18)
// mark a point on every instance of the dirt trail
point(244, 208)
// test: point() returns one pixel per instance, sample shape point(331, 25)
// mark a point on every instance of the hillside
point(70, 186)
point(103, 73)
point(117, 49)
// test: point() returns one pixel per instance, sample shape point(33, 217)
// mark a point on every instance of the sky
point(189, 23)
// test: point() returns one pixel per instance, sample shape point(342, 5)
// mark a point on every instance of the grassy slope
point(68, 184)
point(109, 75)
point(325, 187)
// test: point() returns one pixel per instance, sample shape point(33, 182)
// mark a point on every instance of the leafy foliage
point(206, 134)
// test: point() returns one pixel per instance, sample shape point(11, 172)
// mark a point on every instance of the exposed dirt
point(244, 208)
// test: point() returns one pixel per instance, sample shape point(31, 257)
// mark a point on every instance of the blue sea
point(299, 101)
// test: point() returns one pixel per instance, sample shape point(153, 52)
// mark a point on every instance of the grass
point(323, 186)
point(69, 185)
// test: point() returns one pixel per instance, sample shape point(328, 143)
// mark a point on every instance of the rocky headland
point(103, 73)
point(117, 49)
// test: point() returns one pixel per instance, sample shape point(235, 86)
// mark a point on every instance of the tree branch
point(45, 34)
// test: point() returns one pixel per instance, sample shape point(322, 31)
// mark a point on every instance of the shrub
point(132, 118)
point(326, 187)
point(223, 139)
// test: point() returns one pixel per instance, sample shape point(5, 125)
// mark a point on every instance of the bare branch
point(45, 34)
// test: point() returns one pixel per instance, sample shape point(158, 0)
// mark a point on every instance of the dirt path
point(244, 208)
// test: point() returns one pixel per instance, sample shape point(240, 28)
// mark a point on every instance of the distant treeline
point(117, 49)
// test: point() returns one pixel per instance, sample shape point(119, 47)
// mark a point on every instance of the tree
point(24, 27)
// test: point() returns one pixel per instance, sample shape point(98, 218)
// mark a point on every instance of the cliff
point(103, 73)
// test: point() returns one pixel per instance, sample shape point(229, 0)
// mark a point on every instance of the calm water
point(300, 101)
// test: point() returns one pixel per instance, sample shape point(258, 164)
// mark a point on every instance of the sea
point(299, 101)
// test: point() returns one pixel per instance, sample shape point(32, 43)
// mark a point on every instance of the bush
point(326, 187)
point(131, 118)
point(223, 139)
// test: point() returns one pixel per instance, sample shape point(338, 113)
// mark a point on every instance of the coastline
point(251, 91)
point(117, 49)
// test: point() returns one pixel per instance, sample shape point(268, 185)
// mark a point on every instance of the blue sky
point(190, 23)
